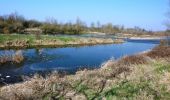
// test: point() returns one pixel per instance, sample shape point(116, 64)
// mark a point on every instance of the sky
point(148, 14)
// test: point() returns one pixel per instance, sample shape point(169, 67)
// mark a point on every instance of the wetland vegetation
point(25, 41)
point(64, 59)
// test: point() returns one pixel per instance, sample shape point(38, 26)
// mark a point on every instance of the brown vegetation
point(80, 41)
point(16, 58)
point(134, 59)
point(159, 52)
point(17, 43)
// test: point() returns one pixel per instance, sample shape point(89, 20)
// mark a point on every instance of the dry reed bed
point(137, 77)
point(17, 57)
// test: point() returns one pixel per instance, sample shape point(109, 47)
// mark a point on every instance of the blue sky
point(149, 14)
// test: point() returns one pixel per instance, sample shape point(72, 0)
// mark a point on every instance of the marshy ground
point(25, 41)
point(138, 77)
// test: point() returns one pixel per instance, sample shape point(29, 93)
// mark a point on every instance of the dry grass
point(124, 65)
point(159, 52)
point(16, 43)
point(17, 57)
point(165, 79)
point(134, 59)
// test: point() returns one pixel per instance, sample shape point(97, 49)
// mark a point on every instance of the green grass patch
point(128, 90)
point(32, 38)
point(125, 90)
point(161, 68)
point(14, 37)
point(61, 38)
point(85, 90)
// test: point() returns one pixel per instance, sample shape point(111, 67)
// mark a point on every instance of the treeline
point(14, 23)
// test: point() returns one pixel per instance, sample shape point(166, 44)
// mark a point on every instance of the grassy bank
point(24, 41)
point(138, 77)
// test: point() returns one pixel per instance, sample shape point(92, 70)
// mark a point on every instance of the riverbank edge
point(56, 43)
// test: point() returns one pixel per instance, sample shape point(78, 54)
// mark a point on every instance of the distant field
point(32, 38)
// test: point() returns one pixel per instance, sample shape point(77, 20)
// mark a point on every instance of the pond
point(68, 59)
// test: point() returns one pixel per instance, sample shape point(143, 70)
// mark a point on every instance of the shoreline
point(150, 38)
point(53, 46)
point(30, 41)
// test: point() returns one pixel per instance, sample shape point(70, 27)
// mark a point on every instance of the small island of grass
point(25, 41)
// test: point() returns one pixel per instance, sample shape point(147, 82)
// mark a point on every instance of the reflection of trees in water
point(39, 51)
point(41, 55)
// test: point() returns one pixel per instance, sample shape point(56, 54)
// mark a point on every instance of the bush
point(134, 59)
point(17, 57)
point(159, 52)
point(6, 30)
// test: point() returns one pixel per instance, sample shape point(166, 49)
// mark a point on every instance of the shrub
point(16, 57)
point(6, 30)
point(134, 59)
point(159, 52)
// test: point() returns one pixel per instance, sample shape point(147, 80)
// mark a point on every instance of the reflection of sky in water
point(70, 59)
point(6, 53)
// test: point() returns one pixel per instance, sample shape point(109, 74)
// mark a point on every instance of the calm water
point(68, 59)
